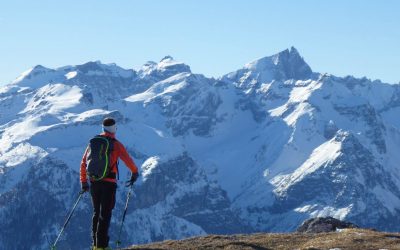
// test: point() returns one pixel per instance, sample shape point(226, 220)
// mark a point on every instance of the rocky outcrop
point(323, 225)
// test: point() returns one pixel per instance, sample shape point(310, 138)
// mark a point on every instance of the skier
point(103, 188)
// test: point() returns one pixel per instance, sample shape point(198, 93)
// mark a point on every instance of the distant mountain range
point(259, 149)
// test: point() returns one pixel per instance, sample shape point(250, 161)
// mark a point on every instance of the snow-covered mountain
point(259, 149)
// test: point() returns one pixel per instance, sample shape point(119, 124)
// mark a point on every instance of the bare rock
point(323, 225)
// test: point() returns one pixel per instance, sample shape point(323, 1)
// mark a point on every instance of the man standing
point(103, 187)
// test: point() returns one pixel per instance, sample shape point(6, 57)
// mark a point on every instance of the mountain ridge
point(259, 149)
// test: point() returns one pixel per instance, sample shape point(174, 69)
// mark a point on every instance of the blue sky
point(341, 37)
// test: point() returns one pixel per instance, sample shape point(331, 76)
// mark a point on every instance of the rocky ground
point(351, 238)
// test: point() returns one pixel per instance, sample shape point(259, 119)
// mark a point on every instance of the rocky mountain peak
point(285, 65)
point(290, 64)
point(167, 67)
point(167, 58)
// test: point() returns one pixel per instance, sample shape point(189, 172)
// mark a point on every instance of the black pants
point(103, 200)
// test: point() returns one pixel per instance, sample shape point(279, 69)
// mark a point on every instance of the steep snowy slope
point(259, 149)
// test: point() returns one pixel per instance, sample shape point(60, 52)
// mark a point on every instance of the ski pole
point(53, 247)
point(123, 216)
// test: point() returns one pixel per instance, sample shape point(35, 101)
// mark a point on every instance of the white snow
point(315, 210)
point(54, 98)
point(20, 154)
point(167, 62)
point(299, 100)
point(301, 94)
point(140, 97)
point(37, 77)
point(300, 110)
point(14, 164)
point(321, 156)
point(71, 74)
point(170, 85)
point(89, 114)
point(23, 75)
point(148, 166)
point(338, 213)
point(20, 132)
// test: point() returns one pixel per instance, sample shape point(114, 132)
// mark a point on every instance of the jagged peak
point(168, 61)
point(293, 50)
point(342, 136)
point(286, 64)
point(167, 67)
point(347, 139)
point(167, 58)
point(150, 63)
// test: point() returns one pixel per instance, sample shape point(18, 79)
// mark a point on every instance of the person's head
point(109, 125)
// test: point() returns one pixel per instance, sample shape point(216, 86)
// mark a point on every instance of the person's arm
point(83, 177)
point(125, 157)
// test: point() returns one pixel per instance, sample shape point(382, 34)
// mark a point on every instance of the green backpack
point(98, 157)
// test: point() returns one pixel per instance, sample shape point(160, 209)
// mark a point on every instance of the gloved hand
point(134, 177)
point(84, 187)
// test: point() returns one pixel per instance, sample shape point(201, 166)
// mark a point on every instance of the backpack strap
point(117, 170)
point(114, 140)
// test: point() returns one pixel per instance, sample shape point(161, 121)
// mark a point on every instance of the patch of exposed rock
point(323, 225)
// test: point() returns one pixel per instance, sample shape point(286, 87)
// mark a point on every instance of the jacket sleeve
point(83, 177)
point(123, 154)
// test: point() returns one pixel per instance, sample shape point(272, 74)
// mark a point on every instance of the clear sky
point(341, 37)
